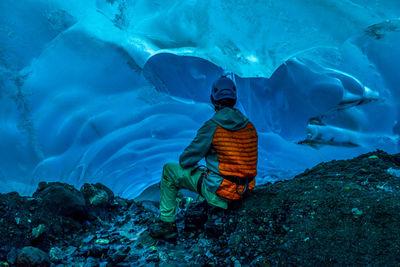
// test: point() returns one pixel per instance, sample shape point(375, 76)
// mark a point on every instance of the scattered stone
point(394, 172)
point(31, 256)
point(153, 258)
point(88, 239)
point(96, 251)
point(356, 212)
point(39, 231)
point(151, 206)
point(121, 202)
point(69, 251)
point(117, 256)
point(237, 264)
point(91, 262)
point(56, 255)
point(102, 241)
point(12, 256)
point(146, 240)
point(97, 195)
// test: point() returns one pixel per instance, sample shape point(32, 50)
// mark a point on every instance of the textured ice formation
point(109, 91)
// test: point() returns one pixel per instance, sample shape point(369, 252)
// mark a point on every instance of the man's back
point(228, 141)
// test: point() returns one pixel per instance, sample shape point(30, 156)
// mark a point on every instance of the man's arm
point(200, 145)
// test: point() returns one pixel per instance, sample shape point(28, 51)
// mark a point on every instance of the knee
point(168, 170)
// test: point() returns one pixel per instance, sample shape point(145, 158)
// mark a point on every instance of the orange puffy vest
point(237, 156)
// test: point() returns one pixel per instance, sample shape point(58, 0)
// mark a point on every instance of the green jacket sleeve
point(200, 145)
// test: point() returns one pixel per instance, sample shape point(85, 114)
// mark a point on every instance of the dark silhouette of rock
point(62, 199)
point(31, 256)
point(12, 256)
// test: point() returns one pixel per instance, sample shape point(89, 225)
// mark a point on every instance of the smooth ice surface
point(109, 91)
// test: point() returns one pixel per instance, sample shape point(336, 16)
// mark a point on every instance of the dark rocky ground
point(340, 213)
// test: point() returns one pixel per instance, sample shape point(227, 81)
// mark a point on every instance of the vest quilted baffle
point(237, 156)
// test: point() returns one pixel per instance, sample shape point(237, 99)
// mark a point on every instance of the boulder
point(12, 256)
point(97, 195)
point(62, 199)
point(31, 256)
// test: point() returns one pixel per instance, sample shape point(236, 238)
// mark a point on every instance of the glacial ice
point(110, 90)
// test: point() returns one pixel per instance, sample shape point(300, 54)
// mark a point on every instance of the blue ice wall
point(109, 91)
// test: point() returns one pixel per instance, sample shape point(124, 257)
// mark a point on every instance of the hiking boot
point(164, 230)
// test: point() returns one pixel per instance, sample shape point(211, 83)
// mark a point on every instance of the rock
point(146, 240)
point(97, 195)
point(56, 255)
point(122, 203)
point(70, 251)
point(39, 231)
point(12, 256)
point(96, 251)
point(237, 264)
point(102, 241)
point(116, 256)
point(99, 200)
point(394, 172)
point(62, 199)
point(31, 256)
point(91, 262)
point(88, 239)
point(150, 206)
point(214, 228)
point(163, 256)
point(153, 258)
point(196, 216)
point(356, 212)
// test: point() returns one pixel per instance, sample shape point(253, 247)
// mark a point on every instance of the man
point(228, 141)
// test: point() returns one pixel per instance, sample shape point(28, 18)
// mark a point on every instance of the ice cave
point(110, 90)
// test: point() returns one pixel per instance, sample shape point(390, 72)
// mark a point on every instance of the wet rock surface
point(338, 213)
point(31, 256)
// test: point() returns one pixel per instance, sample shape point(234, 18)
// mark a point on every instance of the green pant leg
point(174, 177)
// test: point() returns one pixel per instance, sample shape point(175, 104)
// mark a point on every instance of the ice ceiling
point(109, 91)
